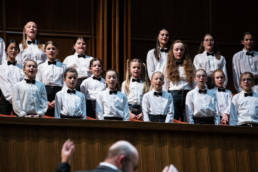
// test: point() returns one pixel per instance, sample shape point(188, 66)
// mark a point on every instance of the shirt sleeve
point(43, 101)
point(57, 106)
point(126, 109)
point(83, 104)
point(145, 107)
point(84, 89)
point(236, 72)
point(189, 108)
point(224, 69)
point(150, 63)
point(217, 114)
point(233, 112)
point(17, 102)
point(170, 115)
point(99, 108)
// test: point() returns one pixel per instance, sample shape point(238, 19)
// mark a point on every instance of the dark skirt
point(157, 118)
point(5, 106)
point(51, 93)
point(91, 108)
point(203, 120)
point(179, 103)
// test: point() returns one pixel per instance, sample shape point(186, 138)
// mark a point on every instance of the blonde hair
point(112, 70)
point(143, 75)
point(24, 38)
point(157, 72)
point(172, 72)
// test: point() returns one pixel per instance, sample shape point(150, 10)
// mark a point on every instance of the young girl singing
point(92, 86)
point(210, 59)
point(157, 104)
point(134, 87)
point(157, 57)
point(79, 60)
point(30, 46)
point(10, 74)
point(51, 73)
point(111, 103)
point(179, 76)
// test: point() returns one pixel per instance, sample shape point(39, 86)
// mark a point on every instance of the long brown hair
point(157, 48)
point(172, 72)
point(143, 75)
point(215, 49)
point(24, 38)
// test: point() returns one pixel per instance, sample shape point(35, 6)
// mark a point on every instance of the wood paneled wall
point(34, 145)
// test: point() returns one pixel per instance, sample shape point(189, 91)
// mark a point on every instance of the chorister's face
point(246, 83)
point(178, 50)
point(163, 38)
point(208, 43)
point(96, 68)
point(200, 78)
point(135, 69)
point(30, 30)
point(70, 80)
point(219, 79)
point(157, 81)
point(111, 80)
point(80, 46)
point(30, 69)
point(248, 42)
point(51, 52)
point(12, 51)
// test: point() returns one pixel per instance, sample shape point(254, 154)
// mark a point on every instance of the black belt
point(135, 109)
point(157, 117)
point(113, 118)
point(179, 91)
point(70, 117)
point(203, 120)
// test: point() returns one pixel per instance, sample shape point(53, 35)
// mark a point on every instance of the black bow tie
point(50, 63)
point(31, 42)
point(112, 92)
point(96, 78)
point(179, 62)
point(136, 80)
point(157, 93)
point(164, 50)
point(249, 53)
point(11, 63)
point(210, 54)
point(28, 81)
point(248, 94)
point(203, 91)
point(81, 56)
point(221, 90)
point(71, 91)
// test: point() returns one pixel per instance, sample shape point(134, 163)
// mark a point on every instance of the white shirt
point(112, 105)
point(91, 87)
point(9, 76)
point(31, 52)
point(182, 83)
point(2, 51)
point(210, 64)
point(201, 105)
point(244, 63)
point(136, 91)
point(81, 64)
point(51, 75)
point(244, 109)
point(70, 104)
point(224, 100)
point(29, 98)
point(154, 65)
point(158, 105)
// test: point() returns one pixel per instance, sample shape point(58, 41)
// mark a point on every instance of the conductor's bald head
point(123, 155)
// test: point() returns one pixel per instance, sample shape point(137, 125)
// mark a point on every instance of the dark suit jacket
point(65, 167)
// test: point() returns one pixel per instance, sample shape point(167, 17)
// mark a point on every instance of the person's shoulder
point(79, 93)
point(68, 57)
point(151, 52)
point(237, 54)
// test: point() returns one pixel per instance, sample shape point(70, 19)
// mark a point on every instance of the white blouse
point(81, 64)
point(201, 105)
point(158, 105)
point(51, 74)
point(112, 105)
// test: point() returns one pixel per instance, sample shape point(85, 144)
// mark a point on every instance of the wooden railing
point(35, 144)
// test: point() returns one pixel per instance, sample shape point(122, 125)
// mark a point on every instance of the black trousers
point(179, 103)
point(91, 108)
point(157, 118)
point(51, 93)
point(5, 106)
